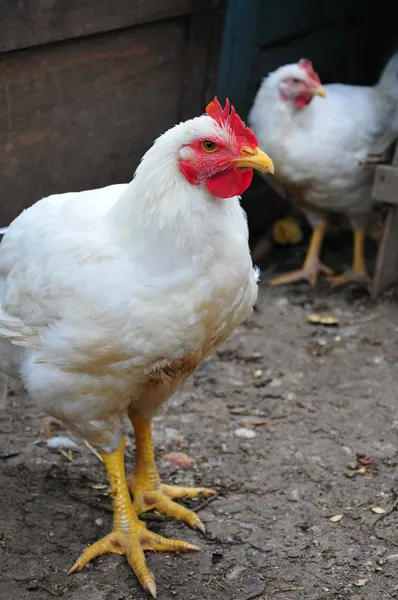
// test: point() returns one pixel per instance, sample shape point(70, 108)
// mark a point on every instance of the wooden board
point(238, 52)
point(385, 184)
point(394, 161)
point(386, 272)
point(81, 114)
point(196, 61)
point(25, 23)
point(385, 190)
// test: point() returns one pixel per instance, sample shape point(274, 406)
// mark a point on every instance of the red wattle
point(229, 183)
point(303, 100)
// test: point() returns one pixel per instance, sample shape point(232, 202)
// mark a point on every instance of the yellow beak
point(253, 158)
point(319, 91)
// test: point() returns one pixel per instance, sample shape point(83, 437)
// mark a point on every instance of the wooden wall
point(86, 86)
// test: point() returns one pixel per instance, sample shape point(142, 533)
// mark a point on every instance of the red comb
point(228, 116)
point(306, 65)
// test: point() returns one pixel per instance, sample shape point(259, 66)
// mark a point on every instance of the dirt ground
point(313, 397)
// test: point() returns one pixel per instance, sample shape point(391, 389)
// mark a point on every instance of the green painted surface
point(339, 37)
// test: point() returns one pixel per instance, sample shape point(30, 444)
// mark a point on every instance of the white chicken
point(112, 297)
point(317, 146)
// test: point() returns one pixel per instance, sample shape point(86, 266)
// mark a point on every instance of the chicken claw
point(350, 277)
point(132, 541)
point(308, 273)
point(162, 499)
point(358, 273)
point(129, 535)
point(312, 265)
point(144, 484)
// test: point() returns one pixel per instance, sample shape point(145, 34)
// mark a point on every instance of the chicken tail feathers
point(388, 82)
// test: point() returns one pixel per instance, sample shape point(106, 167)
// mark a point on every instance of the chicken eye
point(209, 146)
point(295, 80)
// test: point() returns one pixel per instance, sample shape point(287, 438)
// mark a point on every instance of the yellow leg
point(312, 266)
point(129, 535)
point(359, 252)
point(145, 484)
point(358, 272)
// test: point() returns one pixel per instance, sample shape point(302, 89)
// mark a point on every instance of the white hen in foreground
point(112, 297)
point(317, 146)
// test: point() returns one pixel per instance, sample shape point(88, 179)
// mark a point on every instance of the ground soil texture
point(314, 395)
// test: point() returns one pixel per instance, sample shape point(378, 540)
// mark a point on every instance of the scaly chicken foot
point(129, 535)
point(307, 273)
point(148, 492)
point(350, 277)
point(358, 273)
point(312, 265)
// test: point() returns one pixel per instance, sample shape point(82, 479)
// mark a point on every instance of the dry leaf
point(250, 421)
point(364, 459)
point(322, 319)
point(378, 510)
point(361, 582)
point(93, 450)
point(178, 459)
point(336, 518)
point(68, 455)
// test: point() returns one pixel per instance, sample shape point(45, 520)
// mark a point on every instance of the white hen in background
point(317, 137)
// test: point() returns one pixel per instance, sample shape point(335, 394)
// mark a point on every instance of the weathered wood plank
point(26, 23)
point(385, 184)
point(204, 40)
point(196, 60)
point(395, 156)
point(386, 272)
point(81, 114)
point(239, 52)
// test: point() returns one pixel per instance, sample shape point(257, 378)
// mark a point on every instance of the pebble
point(392, 557)
point(244, 432)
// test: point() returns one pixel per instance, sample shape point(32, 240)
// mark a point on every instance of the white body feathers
point(105, 287)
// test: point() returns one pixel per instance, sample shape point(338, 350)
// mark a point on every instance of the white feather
point(100, 287)
point(61, 441)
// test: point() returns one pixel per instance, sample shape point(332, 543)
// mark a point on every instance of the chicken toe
point(358, 273)
point(162, 498)
point(148, 492)
point(360, 277)
point(312, 265)
point(132, 540)
point(129, 535)
point(307, 273)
